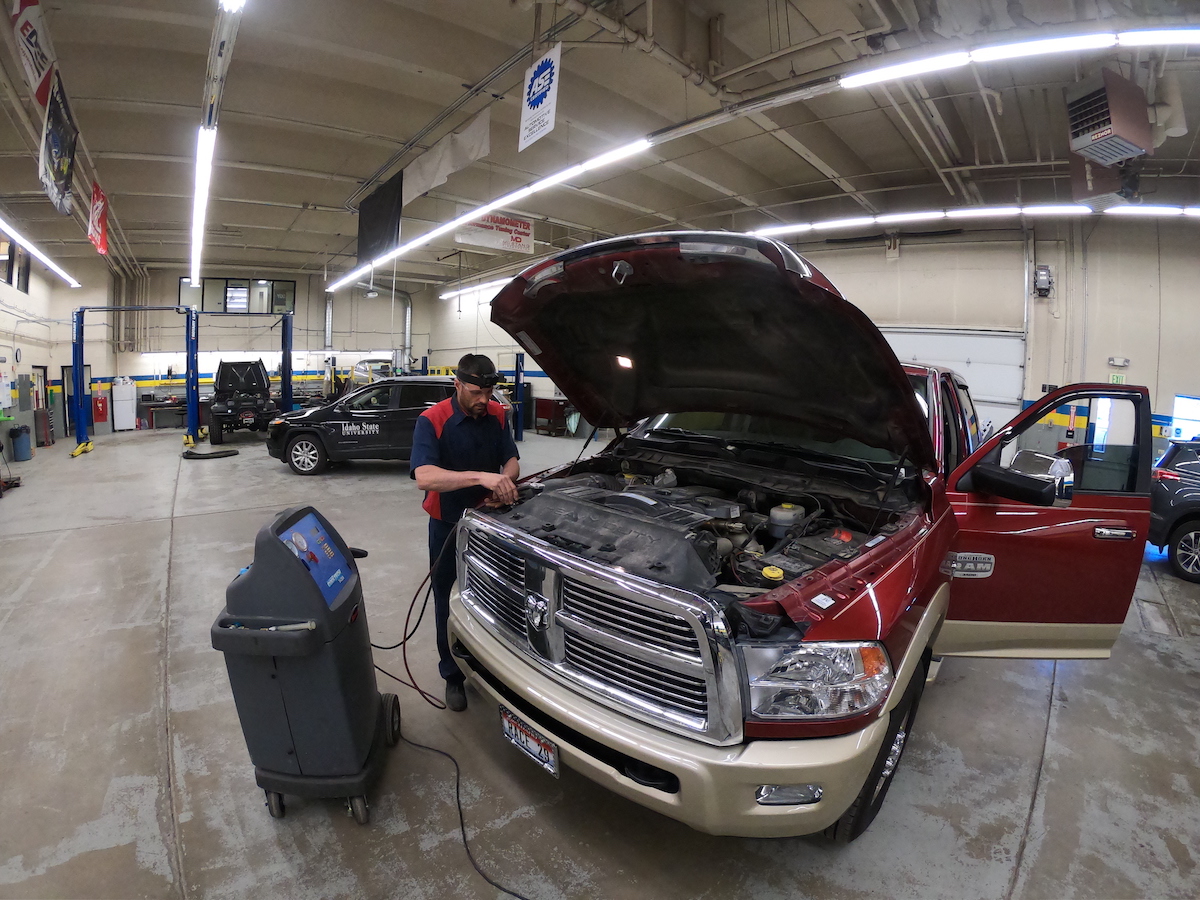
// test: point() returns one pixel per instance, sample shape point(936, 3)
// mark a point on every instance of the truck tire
point(1183, 549)
point(866, 805)
point(216, 433)
point(306, 454)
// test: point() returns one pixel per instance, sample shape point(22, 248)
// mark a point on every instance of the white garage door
point(992, 362)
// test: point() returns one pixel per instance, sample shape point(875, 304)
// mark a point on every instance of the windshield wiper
point(816, 457)
point(685, 436)
point(689, 435)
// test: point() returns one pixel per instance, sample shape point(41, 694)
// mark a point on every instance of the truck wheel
point(275, 804)
point(1184, 551)
point(866, 805)
point(216, 433)
point(358, 809)
point(391, 719)
point(306, 455)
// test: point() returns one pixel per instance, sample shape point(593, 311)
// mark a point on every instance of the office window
point(237, 295)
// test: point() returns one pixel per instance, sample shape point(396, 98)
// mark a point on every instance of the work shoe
point(456, 696)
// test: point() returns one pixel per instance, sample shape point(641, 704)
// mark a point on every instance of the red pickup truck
point(728, 615)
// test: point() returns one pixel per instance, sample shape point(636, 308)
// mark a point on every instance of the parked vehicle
point(375, 421)
point(729, 613)
point(368, 371)
point(241, 399)
point(1175, 508)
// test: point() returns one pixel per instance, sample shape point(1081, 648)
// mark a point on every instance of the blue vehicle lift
point(192, 377)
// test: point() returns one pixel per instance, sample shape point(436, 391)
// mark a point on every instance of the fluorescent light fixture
point(604, 159)
point(471, 289)
point(774, 230)
point(612, 156)
point(624, 362)
point(232, 5)
point(1060, 209)
point(845, 223)
point(906, 70)
point(1049, 45)
point(36, 253)
point(206, 142)
point(1191, 210)
point(1144, 211)
point(983, 212)
point(910, 217)
point(1159, 37)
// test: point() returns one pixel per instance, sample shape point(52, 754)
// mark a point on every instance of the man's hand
point(502, 487)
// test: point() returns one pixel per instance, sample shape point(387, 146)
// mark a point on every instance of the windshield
point(920, 385)
point(756, 429)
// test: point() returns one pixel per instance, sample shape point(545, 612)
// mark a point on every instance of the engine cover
point(656, 537)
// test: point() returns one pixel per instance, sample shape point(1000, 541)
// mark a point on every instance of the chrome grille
point(651, 651)
point(685, 695)
point(500, 559)
point(609, 612)
point(499, 600)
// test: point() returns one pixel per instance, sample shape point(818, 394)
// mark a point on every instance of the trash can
point(19, 437)
point(298, 652)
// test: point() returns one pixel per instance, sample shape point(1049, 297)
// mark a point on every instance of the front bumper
point(716, 784)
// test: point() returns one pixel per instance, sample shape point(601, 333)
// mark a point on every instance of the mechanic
point(463, 456)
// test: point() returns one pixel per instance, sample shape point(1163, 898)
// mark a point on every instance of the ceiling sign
point(540, 98)
point(499, 231)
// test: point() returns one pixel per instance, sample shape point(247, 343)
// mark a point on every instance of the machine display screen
point(306, 538)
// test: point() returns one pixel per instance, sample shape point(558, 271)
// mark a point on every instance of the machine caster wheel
point(275, 804)
point(391, 719)
point(358, 809)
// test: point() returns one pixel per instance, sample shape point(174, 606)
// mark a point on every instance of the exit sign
point(1116, 378)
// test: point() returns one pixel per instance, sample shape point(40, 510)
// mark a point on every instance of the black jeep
point(241, 399)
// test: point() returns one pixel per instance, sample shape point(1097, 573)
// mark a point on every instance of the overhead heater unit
point(1108, 119)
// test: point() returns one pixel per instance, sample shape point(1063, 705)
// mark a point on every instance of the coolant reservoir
point(783, 517)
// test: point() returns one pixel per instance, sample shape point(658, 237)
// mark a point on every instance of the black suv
point(375, 421)
point(241, 399)
point(1175, 508)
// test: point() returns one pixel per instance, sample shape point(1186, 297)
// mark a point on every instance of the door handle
point(1105, 533)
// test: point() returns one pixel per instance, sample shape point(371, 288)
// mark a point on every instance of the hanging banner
point(499, 231)
point(451, 154)
point(33, 42)
point(540, 98)
point(57, 163)
point(98, 221)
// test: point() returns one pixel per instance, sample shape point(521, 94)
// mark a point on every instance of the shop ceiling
point(323, 98)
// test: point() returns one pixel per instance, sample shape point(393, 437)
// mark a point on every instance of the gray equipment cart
point(298, 651)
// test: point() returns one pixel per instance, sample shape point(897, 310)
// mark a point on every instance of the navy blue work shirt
point(448, 438)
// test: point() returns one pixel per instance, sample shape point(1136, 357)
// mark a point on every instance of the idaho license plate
point(248, 417)
point(542, 751)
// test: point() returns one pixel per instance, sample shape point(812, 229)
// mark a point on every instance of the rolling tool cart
point(294, 634)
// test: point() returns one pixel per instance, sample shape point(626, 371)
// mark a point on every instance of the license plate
point(247, 417)
point(542, 751)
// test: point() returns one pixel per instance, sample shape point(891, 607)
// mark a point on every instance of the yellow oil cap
point(772, 573)
point(788, 505)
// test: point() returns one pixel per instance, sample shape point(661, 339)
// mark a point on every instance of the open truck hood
point(711, 321)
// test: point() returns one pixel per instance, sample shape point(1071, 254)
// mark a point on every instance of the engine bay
point(701, 531)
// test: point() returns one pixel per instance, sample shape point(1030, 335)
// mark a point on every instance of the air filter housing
point(1108, 119)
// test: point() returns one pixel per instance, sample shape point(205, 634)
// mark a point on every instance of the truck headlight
point(819, 680)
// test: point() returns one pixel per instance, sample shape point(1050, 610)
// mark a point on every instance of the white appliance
point(124, 404)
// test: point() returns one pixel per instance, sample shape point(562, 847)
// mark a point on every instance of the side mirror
point(1034, 478)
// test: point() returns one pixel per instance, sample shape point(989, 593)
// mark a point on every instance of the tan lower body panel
point(1026, 640)
point(716, 784)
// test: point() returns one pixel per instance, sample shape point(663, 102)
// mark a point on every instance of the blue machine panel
point(324, 561)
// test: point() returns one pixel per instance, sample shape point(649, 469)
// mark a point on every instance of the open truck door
point(1053, 513)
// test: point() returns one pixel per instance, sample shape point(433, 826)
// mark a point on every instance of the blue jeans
point(443, 580)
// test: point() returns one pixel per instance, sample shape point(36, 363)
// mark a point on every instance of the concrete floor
point(123, 771)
